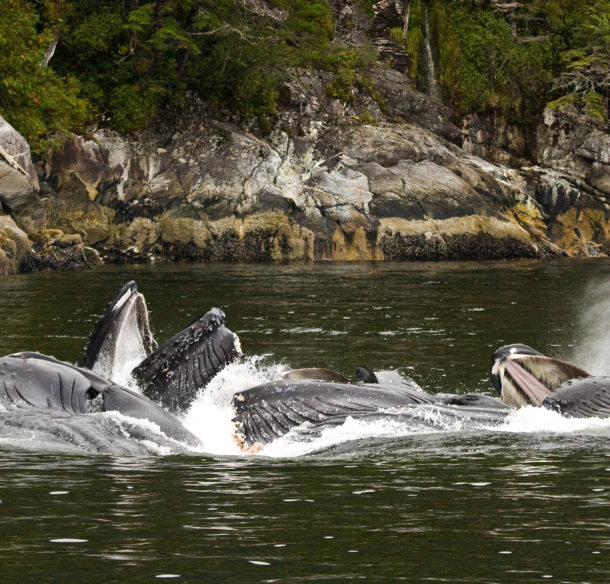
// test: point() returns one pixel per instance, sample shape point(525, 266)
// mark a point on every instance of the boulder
point(14, 245)
point(18, 180)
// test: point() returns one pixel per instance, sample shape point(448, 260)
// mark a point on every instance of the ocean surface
point(527, 501)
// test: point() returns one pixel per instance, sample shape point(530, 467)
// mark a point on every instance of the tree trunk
point(405, 28)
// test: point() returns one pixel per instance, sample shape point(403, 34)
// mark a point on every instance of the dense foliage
point(516, 57)
point(118, 61)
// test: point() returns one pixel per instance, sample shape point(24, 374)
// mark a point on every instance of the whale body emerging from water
point(34, 387)
point(41, 394)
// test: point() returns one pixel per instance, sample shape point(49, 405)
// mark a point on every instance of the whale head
point(523, 376)
point(121, 338)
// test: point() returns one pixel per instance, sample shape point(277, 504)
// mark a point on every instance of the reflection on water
point(457, 510)
point(503, 505)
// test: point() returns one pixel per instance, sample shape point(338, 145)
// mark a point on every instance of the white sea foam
point(209, 418)
point(532, 419)
point(293, 445)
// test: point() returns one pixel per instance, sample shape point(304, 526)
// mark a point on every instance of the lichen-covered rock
point(493, 138)
point(14, 245)
point(54, 250)
point(463, 238)
point(575, 144)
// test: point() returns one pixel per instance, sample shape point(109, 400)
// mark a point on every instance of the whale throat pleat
point(43, 383)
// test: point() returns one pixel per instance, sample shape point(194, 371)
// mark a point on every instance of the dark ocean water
point(526, 503)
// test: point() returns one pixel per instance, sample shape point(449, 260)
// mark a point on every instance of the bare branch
point(227, 29)
point(405, 27)
point(261, 8)
point(50, 52)
point(12, 160)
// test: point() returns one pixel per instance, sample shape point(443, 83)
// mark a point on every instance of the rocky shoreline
point(388, 178)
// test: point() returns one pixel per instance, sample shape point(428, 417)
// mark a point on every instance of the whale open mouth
point(522, 376)
point(524, 382)
point(121, 337)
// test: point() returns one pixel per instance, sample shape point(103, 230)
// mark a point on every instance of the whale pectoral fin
point(129, 403)
point(582, 398)
point(179, 368)
point(34, 380)
point(270, 410)
point(264, 422)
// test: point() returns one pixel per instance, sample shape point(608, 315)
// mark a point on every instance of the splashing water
point(532, 419)
point(210, 419)
point(592, 353)
point(210, 416)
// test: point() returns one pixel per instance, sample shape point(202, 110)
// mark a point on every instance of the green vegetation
point(414, 40)
point(483, 67)
point(117, 62)
point(35, 99)
point(513, 58)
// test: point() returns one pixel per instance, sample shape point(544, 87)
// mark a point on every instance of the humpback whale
point(271, 410)
point(523, 376)
point(38, 382)
point(47, 395)
point(170, 375)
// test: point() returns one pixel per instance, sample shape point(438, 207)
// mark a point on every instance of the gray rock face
point(25, 245)
point(17, 173)
point(320, 186)
point(18, 181)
